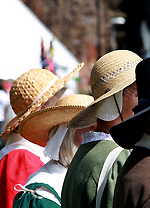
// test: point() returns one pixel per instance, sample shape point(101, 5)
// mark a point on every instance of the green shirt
point(29, 200)
point(80, 185)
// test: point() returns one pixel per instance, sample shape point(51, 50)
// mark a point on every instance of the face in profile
point(130, 100)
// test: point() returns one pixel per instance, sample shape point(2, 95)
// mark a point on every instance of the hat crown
point(112, 68)
point(75, 100)
point(28, 95)
point(27, 87)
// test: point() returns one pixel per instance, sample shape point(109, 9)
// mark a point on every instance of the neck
point(105, 126)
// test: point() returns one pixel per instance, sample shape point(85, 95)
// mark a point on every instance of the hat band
point(45, 89)
point(39, 95)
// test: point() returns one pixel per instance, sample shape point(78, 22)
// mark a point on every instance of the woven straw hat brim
point(15, 119)
point(36, 126)
point(59, 84)
point(86, 117)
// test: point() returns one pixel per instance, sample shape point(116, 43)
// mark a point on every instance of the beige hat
point(111, 73)
point(31, 90)
point(36, 126)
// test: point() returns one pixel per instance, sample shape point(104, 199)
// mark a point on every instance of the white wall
point(20, 42)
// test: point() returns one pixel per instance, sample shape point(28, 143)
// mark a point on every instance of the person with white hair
point(50, 125)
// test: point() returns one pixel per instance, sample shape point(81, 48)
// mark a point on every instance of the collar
point(50, 168)
point(95, 136)
point(16, 142)
point(144, 141)
point(51, 173)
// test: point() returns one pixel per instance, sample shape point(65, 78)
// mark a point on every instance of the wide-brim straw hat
point(111, 73)
point(36, 126)
point(31, 90)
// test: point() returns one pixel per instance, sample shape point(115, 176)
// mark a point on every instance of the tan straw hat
point(36, 126)
point(31, 90)
point(111, 73)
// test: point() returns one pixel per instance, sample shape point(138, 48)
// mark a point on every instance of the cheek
point(77, 137)
point(128, 106)
point(133, 102)
point(130, 100)
point(77, 141)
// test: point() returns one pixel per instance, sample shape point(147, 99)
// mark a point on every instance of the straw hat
point(36, 126)
point(129, 132)
point(31, 90)
point(110, 74)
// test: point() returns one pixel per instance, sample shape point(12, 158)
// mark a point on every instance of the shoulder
point(47, 195)
point(122, 157)
point(23, 159)
point(135, 167)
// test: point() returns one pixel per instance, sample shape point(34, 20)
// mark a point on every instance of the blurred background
point(91, 28)
point(59, 34)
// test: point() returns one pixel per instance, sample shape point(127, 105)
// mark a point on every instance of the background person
point(61, 147)
point(88, 183)
point(132, 185)
point(28, 93)
point(4, 103)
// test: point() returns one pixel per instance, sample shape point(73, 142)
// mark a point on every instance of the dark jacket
point(133, 184)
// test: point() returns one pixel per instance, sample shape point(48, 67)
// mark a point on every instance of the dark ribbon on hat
point(142, 104)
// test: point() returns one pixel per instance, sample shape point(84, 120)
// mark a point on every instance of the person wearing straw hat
point(33, 90)
point(92, 174)
point(50, 125)
point(132, 185)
